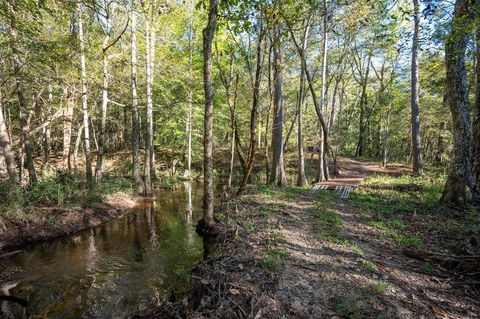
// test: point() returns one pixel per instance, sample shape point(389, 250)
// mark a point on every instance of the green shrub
point(11, 194)
point(63, 189)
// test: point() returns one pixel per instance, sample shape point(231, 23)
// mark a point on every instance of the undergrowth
point(389, 204)
point(57, 189)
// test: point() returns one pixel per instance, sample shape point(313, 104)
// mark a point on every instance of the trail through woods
point(363, 274)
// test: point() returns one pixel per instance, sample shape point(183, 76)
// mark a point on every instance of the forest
point(239, 159)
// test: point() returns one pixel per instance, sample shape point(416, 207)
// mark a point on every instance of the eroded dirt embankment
point(51, 222)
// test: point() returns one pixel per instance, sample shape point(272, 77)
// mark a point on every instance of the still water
point(113, 270)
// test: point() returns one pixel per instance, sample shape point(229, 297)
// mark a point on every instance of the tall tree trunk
point(151, 126)
point(24, 117)
point(386, 137)
point(208, 34)
point(188, 171)
point(301, 178)
point(459, 188)
point(135, 117)
point(86, 121)
point(103, 124)
point(147, 168)
point(363, 105)
point(77, 145)
point(476, 119)
point(322, 173)
point(416, 145)
point(233, 132)
point(277, 174)
point(6, 146)
point(126, 136)
point(316, 102)
point(46, 129)
point(67, 125)
point(254, 113)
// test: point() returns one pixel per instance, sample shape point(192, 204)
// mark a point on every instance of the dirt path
point(360, 275)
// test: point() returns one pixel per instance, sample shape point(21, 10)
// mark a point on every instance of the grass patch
point(273, 258)
point(327, 223)
point(347, 308)
point(386, 202)
point(368, 266)
point(380, 287)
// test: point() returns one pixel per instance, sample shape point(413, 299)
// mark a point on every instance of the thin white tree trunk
point(321, 176)
point(103, 124)
point(86, 121)
point(135, 118)
point(67, 126)
point(187, 173)
point(148, 147)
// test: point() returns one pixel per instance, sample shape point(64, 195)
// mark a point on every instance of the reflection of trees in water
point(9, 306)
point(91, 253)
point(137, 240)
point(128, 261)
point(189, 229)
point(151, 223)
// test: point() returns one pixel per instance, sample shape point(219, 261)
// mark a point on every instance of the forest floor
point(387, 251)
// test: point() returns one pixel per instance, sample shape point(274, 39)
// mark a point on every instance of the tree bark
point(233, 133)
point(313, 92)
point(67, 125)
point(363, 104)
point(135, 117)
point(301, 178)
point(149, 134)
point(459, 188)
point(416, 144)
point(208, 34)
point(188, 171)
point(6, 146)
point(24, 117)
point(476, 119)
point(277, 174)
point(46, 130)
point(86, 121)
point(323, 153)
point(103, 124)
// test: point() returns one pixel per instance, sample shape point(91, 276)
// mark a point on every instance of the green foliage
point(347, 308)
point(368, 266)
point(385, 201)
point(327, 223)
point(12, 199)
point(58, 189)
point(273, 258)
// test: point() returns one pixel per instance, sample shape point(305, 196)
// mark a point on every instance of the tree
point(86, 120)
point(301, 178)
point(416, 145)
point(208, 34)
point(460, 184)
point(255, 104)
point(135, 116)
point(322, 173)
point(149, 151)
point(6, 146)
point(187, 173)
point(476, 118)
point(24, 112)
point(277, 174)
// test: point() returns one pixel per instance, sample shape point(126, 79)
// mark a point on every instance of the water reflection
point(109, 271)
